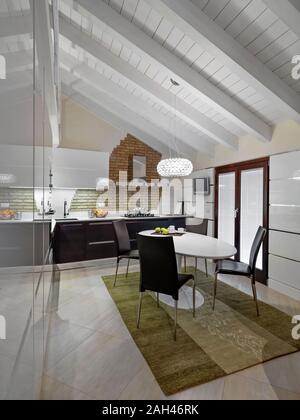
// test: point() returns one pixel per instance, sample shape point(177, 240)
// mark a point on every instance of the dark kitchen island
point(84, 240)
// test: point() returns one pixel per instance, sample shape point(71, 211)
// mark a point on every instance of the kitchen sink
point(66, 220)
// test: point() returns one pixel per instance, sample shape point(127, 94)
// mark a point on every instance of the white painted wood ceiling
point(139, 78)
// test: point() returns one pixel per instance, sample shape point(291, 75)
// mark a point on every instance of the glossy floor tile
point(91, 355)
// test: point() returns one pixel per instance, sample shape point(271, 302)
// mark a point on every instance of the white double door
point(242, 206)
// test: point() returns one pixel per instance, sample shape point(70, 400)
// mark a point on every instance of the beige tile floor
point(91, 355)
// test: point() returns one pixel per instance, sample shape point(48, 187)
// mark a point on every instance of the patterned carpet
point(213, 345)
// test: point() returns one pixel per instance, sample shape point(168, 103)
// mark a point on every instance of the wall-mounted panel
point(285, 218)
point(285, 166)
point(285, 192)
point(284, 289)
point(285, 245)
point(284, 271)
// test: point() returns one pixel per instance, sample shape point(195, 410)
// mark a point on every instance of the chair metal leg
point(157, 296)
point(175, 321)
point(206, 269)
point(185, 264)
point(255, 298)
point(194, 299)
point(118, 262)
point(139, 311)
point(196, 265)
point(215, 291)
point(127, 267)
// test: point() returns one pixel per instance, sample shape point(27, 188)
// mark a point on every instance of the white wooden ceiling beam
point(139, 107)
point(288, 11)
point(184, 111)
point(115, 120)
point(15, 25)
point(154, 136)
point(45, 54)
point(189, 18)
point(137, 40)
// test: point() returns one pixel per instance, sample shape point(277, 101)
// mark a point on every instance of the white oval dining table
point(199, 246)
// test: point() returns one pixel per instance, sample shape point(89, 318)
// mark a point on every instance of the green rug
point(213, 345)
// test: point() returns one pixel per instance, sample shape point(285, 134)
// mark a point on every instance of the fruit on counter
point(7, 214)
point(100, 213)
point(158, 230)
point(165, 232)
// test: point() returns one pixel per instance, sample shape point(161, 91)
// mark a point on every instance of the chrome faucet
point(66, 213)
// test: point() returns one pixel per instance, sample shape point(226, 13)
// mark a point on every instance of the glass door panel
point(252, 211)
point(226, 208)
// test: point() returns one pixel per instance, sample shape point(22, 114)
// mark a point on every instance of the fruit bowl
point(100, 213)
point(7, 214)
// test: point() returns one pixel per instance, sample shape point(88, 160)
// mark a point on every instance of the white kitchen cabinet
point(79, 169)
point(17, 162)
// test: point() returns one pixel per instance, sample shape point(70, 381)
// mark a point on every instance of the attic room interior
point(149, 202)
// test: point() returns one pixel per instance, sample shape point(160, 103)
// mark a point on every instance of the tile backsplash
point(84, 200)
point(20, 199)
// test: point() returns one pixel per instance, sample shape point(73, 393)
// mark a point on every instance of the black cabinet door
point(100, 241)
point(70, 243)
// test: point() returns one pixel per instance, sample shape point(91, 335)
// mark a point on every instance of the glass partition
point(26, 141)
point(226, 209)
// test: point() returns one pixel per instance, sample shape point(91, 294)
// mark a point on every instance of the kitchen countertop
point(82, 218)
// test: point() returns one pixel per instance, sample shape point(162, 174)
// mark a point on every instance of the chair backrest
point(122, 237)
point(199, 226)
point(158, 265)
point(257, 243)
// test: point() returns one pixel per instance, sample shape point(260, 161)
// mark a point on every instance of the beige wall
point(286, 138)
point(83, 130)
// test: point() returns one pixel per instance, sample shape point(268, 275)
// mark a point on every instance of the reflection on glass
point(252, 195)
point(226, 218)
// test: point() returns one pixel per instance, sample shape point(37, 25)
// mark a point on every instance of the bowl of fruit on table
point(162, 231)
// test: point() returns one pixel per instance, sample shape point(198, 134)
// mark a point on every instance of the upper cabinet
point(71, 168)
point(78, 168)
point(17, 166)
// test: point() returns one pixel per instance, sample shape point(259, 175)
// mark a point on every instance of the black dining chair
point(231, 267)
point(124, 251)
point(159, 272)
point(200, 227)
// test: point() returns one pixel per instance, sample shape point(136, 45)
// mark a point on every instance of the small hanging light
point(175, 167)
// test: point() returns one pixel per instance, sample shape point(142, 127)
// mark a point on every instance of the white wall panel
point(284, 289)
point(285, 245)
point(285, 192)
point(285, 218)
point(284, 166)
point(284, 271)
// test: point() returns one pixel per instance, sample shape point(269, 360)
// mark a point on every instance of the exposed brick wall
point(121, 160)
point(122, 157)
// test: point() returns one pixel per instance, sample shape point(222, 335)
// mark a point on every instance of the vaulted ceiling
point(231, 59)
